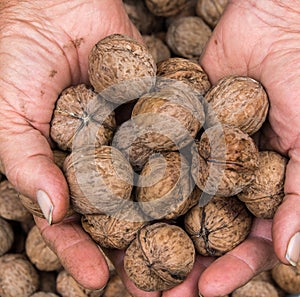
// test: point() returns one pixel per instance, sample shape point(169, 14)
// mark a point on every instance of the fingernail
point(200, 295)
point(293, 250)
point(45, 205)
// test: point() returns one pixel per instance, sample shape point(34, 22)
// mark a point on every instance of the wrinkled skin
point(43, 49)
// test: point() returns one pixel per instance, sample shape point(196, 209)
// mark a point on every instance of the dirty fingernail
point(293, 250)
point(45, 205)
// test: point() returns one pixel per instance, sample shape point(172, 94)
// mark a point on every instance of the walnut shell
point(238, 101)
point(187, 36)
point(158, 49)
point(256, 289)
point(99, 179)
point(121, 68)
point(39, 253)
point(166, 8)
point(81, 117)
point(168, 119)
point(11, 207)
point(219, 226)
point(118, 230)
point(44, 294)
point(18, 277)
point(184, 70)
point(165, 188)
point(6, 236)
point(210, 10)
point(224, 161)
point(160, 257)
point(287, 277)
point(115, 288)
point(265, 193)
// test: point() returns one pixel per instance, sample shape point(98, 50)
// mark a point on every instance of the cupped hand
point(44, 47)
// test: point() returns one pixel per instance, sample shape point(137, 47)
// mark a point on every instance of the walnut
point(219, 226)
point(239, 101)
point(6, 236)
point(210, 10)
point(67, 286)
point(39, 253)
point(165, 188)
point(44, 294)
point(160, 257)
point(18, 277)
point(187, 36)
point(121, 69)
point(266, 191)
point(99, 179)
point(11, 206)
point(158, 49)
point(224, 161)
point(80, 117)
point(115, 288)
point(169, 118)
point(256, 289)
point(117, 230)
point(166, 8)
point(184, 70)
point(287, 277)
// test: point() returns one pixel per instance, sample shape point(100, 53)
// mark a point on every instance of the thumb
point(28, 164)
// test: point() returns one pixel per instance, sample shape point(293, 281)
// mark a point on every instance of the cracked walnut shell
point(161, 257)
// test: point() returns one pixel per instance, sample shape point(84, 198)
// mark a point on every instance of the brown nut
point(18, 277)
point(184, 70)
point(121, 68)
point(265, 193)
point(6, 236)
point(219, 226)
point(98, 178)
point(187, 36)
point(210, 10)
point(165, 188)
point(158, 49)
point(115, 288)
point(256, 289)
point(118, 230)
point(81, 117)
point(224, 161)
point(238, 101)
point(39, 253)
point(169, 118)
point(43, 294)
point(160, 257)
point(166, 8)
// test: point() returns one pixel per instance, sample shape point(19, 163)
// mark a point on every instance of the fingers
point(78, 254)
point(236, 267)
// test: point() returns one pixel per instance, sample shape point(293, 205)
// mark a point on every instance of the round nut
point(81, 117)
point(158, 49)
point(125, 65)
point(224, 161)
point(256, 289)
point(166, 8)
point(219, 226)
point(265, 193)
point(160, 257)
point(165, 188)
point(187, 36)
point(44, 294)
point(6, 236)
point(99, 179)
point(238, 101)
point(115, 288)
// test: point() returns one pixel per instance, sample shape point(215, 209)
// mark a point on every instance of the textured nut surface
point(225, 161)
point(169, 118)
point(256, 289)
point(184, 70)
point(219, 226)
point(160, 257)
point(187, 36)
point(158, 49)
point(11, 207)
point(118, 230)
point(39, 253)
point(115, 288)
point(17, 276)
point(98, 178)
point(44, 294)
point(266, 191)
point(6, 236)
point(210, 10)
point(238, 101)
point(166, 8)
point(125, 65)
point(165, 188)
point(82, 116)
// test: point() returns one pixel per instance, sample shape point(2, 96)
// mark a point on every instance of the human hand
point(43, 49)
